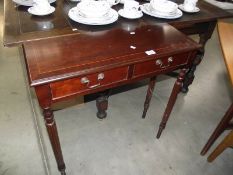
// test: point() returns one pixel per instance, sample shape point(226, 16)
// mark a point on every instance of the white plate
point(28, 2)
point(195, 10)
point(77, 16)
point(146, 8)
point(134, 16)
point(38, 13)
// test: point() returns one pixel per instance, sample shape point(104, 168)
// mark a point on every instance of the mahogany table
point(63, 67)
point(65, 59)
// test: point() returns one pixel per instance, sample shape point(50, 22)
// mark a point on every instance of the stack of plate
point(93, 12)
point(28, 2)
point(162, 9)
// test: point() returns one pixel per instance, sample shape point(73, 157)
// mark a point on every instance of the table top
point(225, 31)
point(72, 56)
point(20, 26)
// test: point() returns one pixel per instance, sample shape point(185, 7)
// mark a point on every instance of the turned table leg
point(45, 99)
point(54, 139)
point(204, 37)
point(223, 125)
point(176, 89)
point(148, 96)
point(102, 104)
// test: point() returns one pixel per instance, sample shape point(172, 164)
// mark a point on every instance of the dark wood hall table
point(66, 59)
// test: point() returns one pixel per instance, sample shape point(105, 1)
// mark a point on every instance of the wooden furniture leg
point(223, 125)
point(148, 96)
point(227, 142)
point(44, 97)
point(204, 37)
point(176, 89)
point(102, 104)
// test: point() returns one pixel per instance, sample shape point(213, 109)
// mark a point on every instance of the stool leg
point(148, 96)
point(176, 89)
point(219, 129)
point(227, 142)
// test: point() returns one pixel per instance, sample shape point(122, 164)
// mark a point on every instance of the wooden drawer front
point(89, 82)
point(160, 64)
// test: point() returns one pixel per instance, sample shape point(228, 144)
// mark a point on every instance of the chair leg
point(223, 124)
point(148, 96)
point(227, 142)
point(176, 89)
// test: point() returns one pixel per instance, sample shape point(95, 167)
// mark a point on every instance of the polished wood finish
point(225, 31)
point(20, 26)
point(65, 67)
point(175, 91)
point(113, 51)
point(227, 142)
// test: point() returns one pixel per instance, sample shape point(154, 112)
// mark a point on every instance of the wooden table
point(65, 59)
point(63, 67)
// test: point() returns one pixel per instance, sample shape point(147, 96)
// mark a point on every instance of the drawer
point(88, 82)
point(160, 65)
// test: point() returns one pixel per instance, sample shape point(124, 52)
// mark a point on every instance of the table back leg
point(176, 89)
point(102, 104)
point(204, 37)
point(148, 96)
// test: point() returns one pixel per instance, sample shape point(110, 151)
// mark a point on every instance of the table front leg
point(102, 104)
point(45, 98)
point(203, 38)
point(176, 89)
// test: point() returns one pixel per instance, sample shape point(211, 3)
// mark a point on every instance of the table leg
point(102, 104)
point(204, 37)
point(176, 89)
point(223, 125)
point(54, 139)
point(148, 96)
point(45, 99)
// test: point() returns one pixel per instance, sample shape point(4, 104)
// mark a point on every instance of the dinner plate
point(195, 10)
point(146, 8)
point(28, 2)
point(39, 13)
point(77, 16)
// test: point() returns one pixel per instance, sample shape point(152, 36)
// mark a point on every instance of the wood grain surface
point(225, 31)
point(20, 26)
